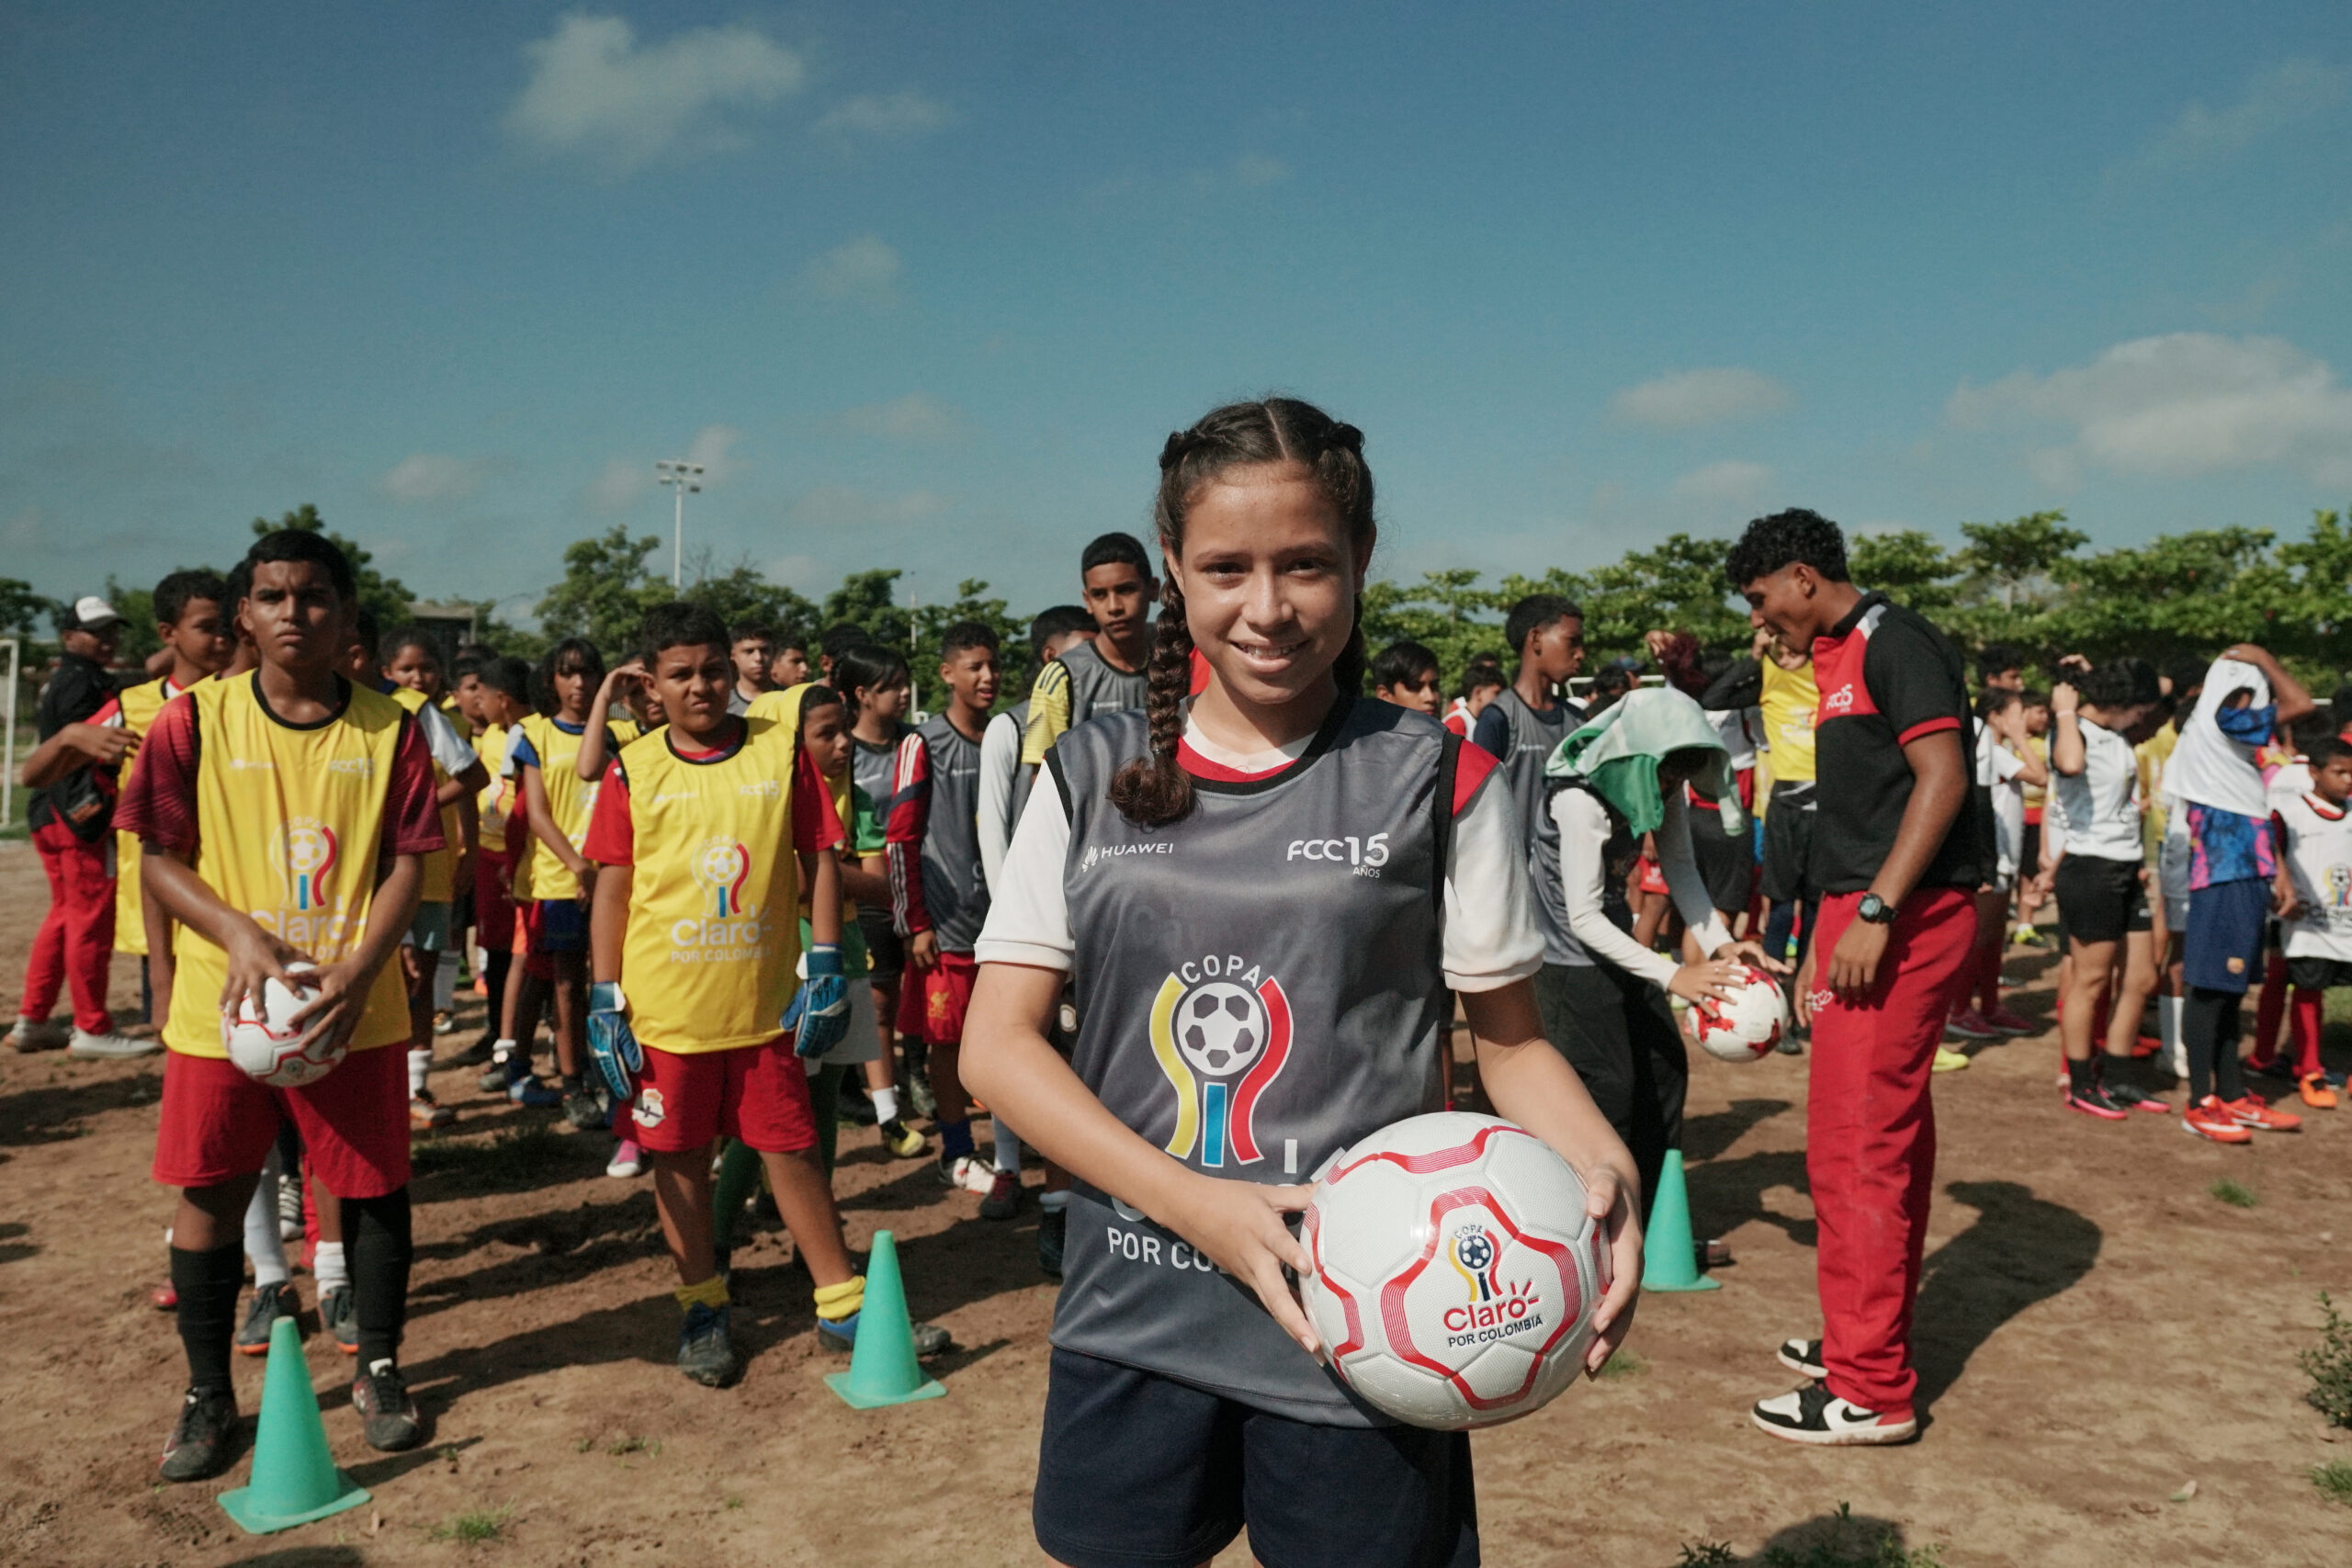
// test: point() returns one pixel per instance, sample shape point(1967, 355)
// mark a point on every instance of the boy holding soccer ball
point(1162, 865)
point(283, 817)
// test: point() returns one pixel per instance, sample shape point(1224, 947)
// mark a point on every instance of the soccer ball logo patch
point(649, 1111)
point(1221, 1033)
point(1221, 1028)
point(306, 852)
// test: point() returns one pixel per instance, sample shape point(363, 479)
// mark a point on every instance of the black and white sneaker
point(203, 1439)
point(1810, 1413)
point(388, 1418)
point(1803, 1357)
point(270, 1302)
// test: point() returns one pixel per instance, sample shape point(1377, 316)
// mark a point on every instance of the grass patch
point(2330, 1366)
point(734, 1502)
point(511, 1158)
point(1843, 1542)
point(2236, 1194)
point(478, 1528)
point(1624, 1364)
point(650, 1446)
point(2334, 1479)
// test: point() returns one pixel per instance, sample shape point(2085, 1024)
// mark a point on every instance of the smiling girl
point(1162, 872)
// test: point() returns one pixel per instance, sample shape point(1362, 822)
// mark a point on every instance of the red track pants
point(75, 942)
point(1870, 1139)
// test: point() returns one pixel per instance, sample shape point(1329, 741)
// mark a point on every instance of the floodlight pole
point(682, 478)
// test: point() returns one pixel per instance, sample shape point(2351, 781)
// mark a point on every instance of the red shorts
point(493, 905)
point(538, 965)
point(757, 1093)
point(932, 1001)
point(1652, 878)
point(219, 1124)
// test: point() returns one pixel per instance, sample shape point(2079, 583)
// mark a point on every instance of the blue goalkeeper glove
point(612, 1043)
point(818, 1015)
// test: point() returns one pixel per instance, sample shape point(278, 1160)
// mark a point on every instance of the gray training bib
point(1259, 986)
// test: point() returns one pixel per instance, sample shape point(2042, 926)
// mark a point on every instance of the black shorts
point(1139, 1471)
point(2318, 974)
point(1788, 842)
point(1726, 861)
point(2101, 900)
point(885, 949)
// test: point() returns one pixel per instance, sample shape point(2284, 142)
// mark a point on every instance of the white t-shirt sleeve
point(442, 740)
point(1678, 862)
point(1584, 841)
point(1000, 760)
point(1491, 939)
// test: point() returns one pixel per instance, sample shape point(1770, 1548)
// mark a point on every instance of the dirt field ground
point(2096, 1332)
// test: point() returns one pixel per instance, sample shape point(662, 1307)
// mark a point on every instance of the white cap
point(90, 612)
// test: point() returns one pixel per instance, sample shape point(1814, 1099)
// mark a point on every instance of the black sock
point(2082, 1077)
point(208, 1283)
point(2229, 1080)
point(493, 979)
point(2200, 1036)
point(378, 1229)
point(575, 1083)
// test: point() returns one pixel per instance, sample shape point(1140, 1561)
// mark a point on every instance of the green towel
point(1618, 754)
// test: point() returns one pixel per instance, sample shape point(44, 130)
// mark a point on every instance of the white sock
point(1054, 1202)
point(885, 1103)
point(263, 1244)
point(502, 1050)
point(445, 988)
point(1008, 1146)
point(420, 1062)
point(327, 1266)
point(2168, 1025)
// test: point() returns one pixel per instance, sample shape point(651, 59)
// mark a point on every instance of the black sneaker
point(497, 1078)
point(1053, 1230)
point(1004, 1196)
point(339, 1316)
point(706, 1354)
point(1810, 1413)
point(203, 1439)
point(1803, 1357)
point(270, 1302)
point(387, 1416)
point(582, 1110)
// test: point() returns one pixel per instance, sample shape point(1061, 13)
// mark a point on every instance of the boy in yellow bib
point(284, 816)
point(701, 833)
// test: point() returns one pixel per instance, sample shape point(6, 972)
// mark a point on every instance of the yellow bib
point(141, 704)
point(784, 706)
point(1789, 701)
point(709, 957)
point(570, 802)
point(288, 826)
point(441, 865)
point(494, 801)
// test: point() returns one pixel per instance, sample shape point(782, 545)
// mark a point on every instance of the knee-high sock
point(377, 1231)
point(738, 1177)
point(1007, 1145)
point(2209, 1028)
point(207, 1283)
point(2309, 1008)
point(263, 1242)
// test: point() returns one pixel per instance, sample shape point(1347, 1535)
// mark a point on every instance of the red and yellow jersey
point(441, 865)
point(496, 800)
point(138, 707)
point(288, 827)
point(554, 748)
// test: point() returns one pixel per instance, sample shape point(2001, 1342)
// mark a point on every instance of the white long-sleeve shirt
point(1000, 768)
point(1584, 831)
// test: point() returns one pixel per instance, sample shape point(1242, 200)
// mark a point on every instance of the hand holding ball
point(1744, 1028)
point(265, 1045)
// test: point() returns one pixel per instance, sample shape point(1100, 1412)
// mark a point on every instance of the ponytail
point(1155, 791)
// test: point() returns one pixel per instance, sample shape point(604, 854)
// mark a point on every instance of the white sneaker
point(108, 1047)
point(628, 1160)
point(1810, 1413)
point(38, 1034)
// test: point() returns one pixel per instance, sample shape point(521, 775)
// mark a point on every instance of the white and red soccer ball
point(1743, 1028)
point(1456, 1272)
point(267, 1046)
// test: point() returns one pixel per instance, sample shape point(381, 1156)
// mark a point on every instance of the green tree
point(21, 609)
point(387, 597)
point(1908, 566)
point(742, 597)
point(1446, 612)
point(2193, 593)
point(2015, 560)
point(604, 592)
point(1015, 669)
point(866, 599)
point(137, 639)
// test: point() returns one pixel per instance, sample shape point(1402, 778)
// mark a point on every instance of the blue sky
point(926, 286)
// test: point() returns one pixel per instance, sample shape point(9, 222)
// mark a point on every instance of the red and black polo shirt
point(1887, 677)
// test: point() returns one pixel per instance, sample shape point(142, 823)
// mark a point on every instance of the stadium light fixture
point(684, 478)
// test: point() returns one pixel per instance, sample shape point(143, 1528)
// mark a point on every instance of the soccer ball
point(1747, 1027)
point(1457, 1272)
point(1220, 1027)
point(268, 1048)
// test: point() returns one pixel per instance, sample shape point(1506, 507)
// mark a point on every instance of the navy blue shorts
point(561, 926)
point(1139, 1471)
point(2224, 950)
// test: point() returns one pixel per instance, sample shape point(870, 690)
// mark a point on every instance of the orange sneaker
point(2252, 1111)
point(2313, 1087)
point(2208, 1118)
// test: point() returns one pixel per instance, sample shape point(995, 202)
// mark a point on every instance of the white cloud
point(429, 477)
point(917, 417)
point(1689, 398)
point(621, 486)
point(844, 508)
point(593, 91)
point(862, 271)
point(894, 116)
point(1728, 482)
point(2180, 404)
point(2279, 99)
point(712, 444)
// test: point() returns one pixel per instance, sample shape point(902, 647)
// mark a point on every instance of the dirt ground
point(2096, 1332)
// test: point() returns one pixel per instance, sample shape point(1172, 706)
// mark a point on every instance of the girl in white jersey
point(1187, 1402)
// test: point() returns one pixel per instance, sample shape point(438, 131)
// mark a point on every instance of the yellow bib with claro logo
point(289, 820)
point(710, 959)
point(139, 705)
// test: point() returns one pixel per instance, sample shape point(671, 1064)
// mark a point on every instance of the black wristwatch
point(1875, 910)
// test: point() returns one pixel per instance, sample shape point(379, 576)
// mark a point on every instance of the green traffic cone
point(882, 1367)
point(294, 1478)
point(1670, 1258)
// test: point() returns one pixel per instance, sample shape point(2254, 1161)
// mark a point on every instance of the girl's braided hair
point(1154, 791)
